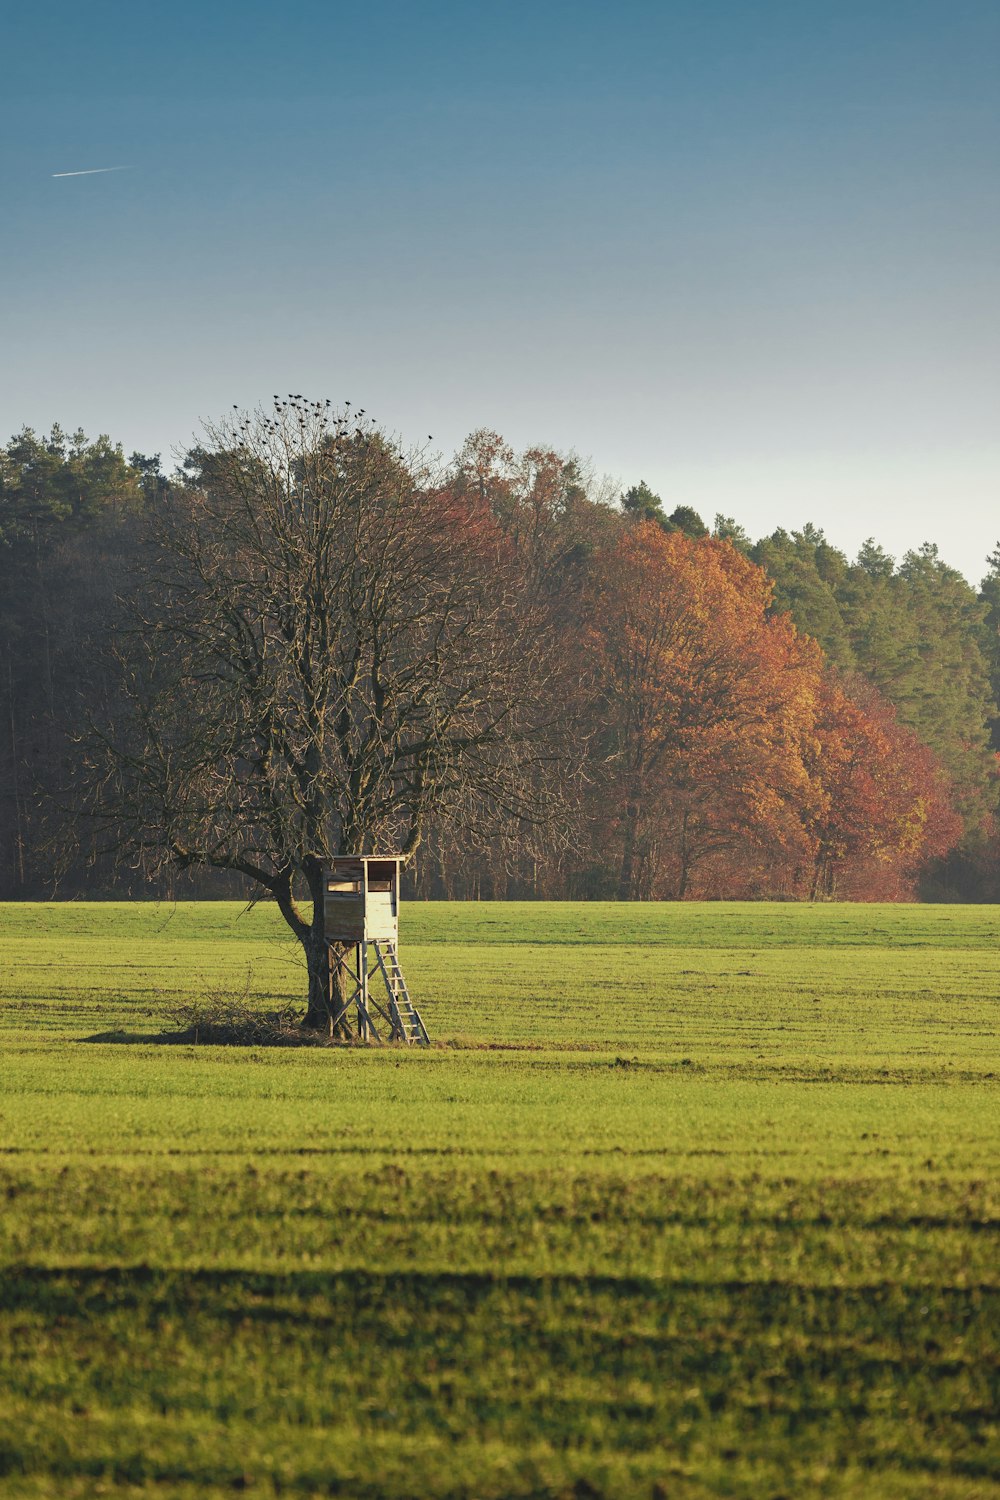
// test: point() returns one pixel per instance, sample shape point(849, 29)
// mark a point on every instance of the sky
point(745, 250)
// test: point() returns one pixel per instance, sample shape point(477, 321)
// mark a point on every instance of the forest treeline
point(748, 718)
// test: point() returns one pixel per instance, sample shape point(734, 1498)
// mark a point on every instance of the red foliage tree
point(707, 701)
point(882, 804)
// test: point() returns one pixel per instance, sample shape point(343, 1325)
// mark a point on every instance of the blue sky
point(747, 250)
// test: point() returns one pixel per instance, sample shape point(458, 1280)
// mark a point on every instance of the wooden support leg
point(362, 953)
point(359, 997)
point(351, 998)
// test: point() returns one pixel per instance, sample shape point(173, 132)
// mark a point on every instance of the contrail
point(90, 171)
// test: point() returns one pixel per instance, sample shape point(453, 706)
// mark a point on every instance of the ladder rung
point(406, 1022)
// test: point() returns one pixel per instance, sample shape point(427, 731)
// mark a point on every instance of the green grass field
point(684, 1201)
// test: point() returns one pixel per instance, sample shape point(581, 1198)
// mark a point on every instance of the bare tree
point(326, 649)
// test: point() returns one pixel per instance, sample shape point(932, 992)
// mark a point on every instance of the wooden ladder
point(404, 1016)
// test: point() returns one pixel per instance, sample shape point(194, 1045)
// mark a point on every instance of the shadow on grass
point(195, 1037)
point(260, 1034)
point(229, 1024)
point(225, 1025)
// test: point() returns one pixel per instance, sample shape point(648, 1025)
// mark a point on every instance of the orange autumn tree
point(708, 706)
point(881, 806)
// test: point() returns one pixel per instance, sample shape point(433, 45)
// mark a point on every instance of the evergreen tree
point(683, 518)
point(989, 598)
point(807, 573)
point(946, 695)
point(728, 529)
point(641, 504)
point(63, 504)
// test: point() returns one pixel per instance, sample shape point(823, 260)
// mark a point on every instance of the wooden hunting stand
point(361, 910)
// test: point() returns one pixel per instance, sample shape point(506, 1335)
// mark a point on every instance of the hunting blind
point(361, 911)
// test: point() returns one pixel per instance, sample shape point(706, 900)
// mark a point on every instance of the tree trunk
point(817, 880)
point(685, 853)
point(328, 986)
point(626, 879)
point(825, 879)
point(18, 830)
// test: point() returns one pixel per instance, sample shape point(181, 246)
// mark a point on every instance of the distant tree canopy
point(304, 640)
point(69, 514)
point(47, 481)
